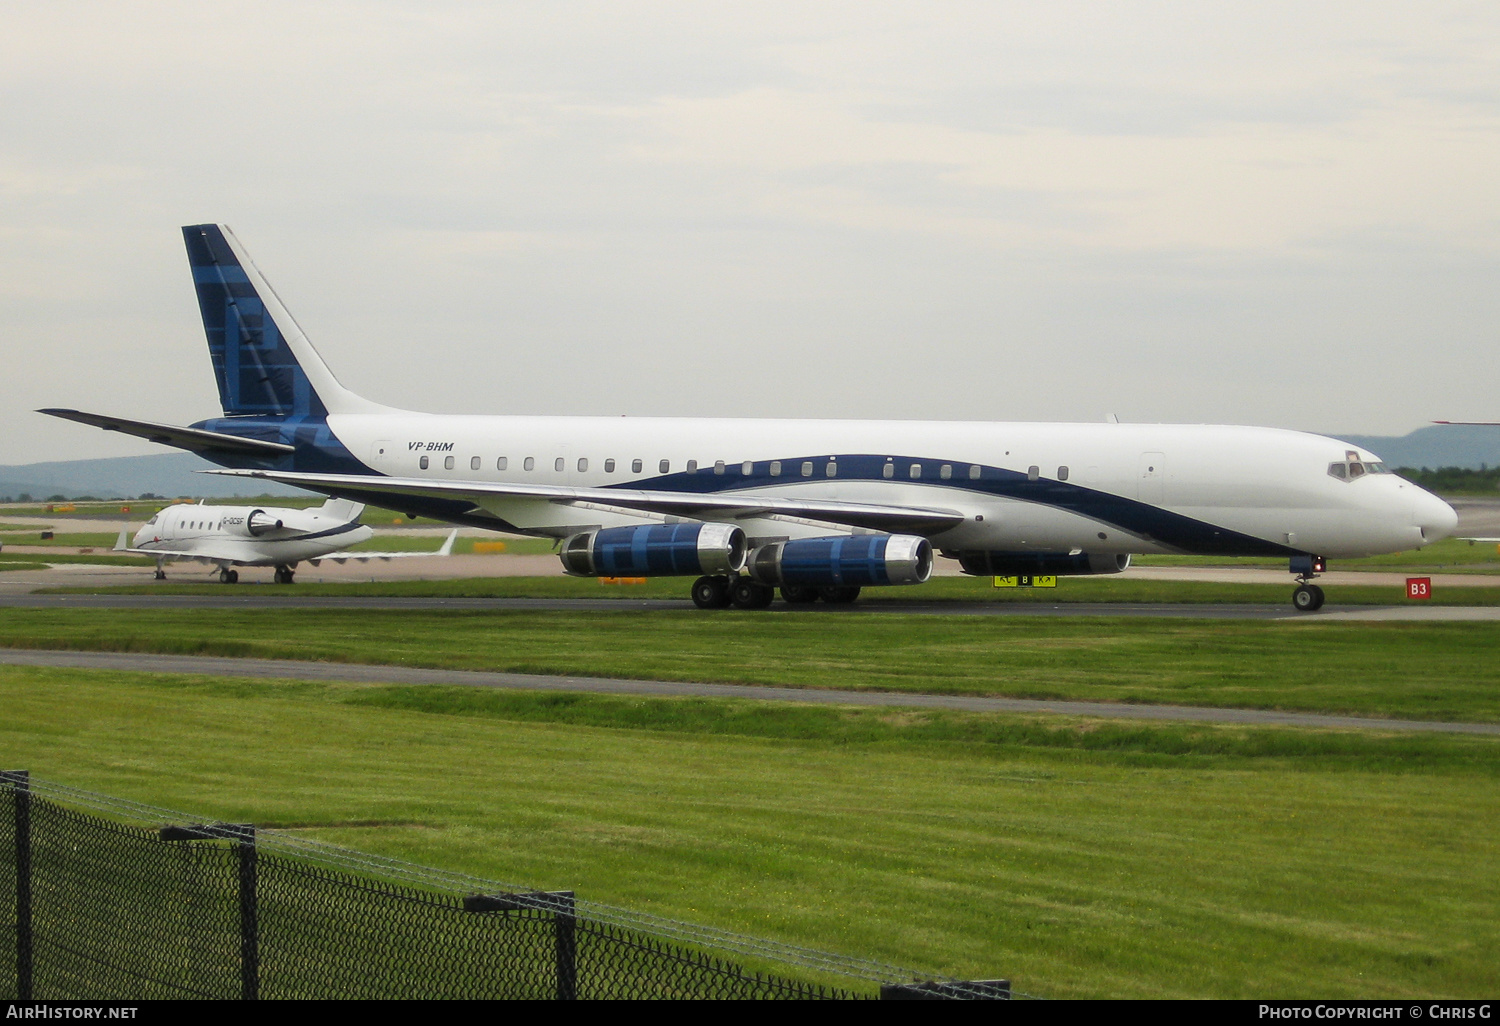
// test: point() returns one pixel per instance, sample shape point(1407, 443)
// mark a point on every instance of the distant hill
point(170, 474)
point(1436, 446)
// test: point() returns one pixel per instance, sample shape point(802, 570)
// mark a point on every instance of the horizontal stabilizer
point(192, 439)
point(360, 556)
point(721, 506)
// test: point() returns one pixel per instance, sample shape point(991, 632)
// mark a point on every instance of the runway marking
point(364, 673)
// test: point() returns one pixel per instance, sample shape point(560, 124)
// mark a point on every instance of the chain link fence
point(98, 909)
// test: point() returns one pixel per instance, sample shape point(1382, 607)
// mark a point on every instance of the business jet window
point(946, 471)
point(1033, 473)
point(719, 467)
point(832, 469)
point(807, 470)
point(664, 466)
point(447, 462)
point(1062, 473)
point(635, 466)
point(916, 471)
point(423, 463)
point(888, 471)
point(692, 467)
point(747, 468)
point(583, 464)
point(609, 466)
point(775, 468)
point(473, 462)
point(501, 463)
point(557, 464)
point(974, 472)
point(530, 463)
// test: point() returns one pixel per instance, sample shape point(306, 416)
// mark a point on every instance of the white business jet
point(817, 508)
point(232, 536)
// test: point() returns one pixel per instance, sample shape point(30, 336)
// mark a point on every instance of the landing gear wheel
point(160, 575)
point(799, 594)
point(839, 596)
point(1307, 598)
point(711, 592)
point(228, 576)
point(285, 575)
point(748, 594)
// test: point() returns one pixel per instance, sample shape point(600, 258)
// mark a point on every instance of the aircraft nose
point(1435, 517)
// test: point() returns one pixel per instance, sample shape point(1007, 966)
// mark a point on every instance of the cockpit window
point(1348, 470)
point(1339, 470)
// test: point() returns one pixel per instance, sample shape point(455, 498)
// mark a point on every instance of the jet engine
point(851, 561)
point(670, 550)
point(253, 524)
point(1042, 564)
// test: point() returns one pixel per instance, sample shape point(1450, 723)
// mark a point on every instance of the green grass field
point(1080, 858)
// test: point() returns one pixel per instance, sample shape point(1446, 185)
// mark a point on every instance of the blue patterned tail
point(247, 328)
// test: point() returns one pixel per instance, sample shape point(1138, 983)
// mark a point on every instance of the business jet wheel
point(284, 575)
point(1307, 598)
point(227, 576)
point(748, 594)
point(160, 575)
point(799, 594)
point(840, 596)
point(711, 592)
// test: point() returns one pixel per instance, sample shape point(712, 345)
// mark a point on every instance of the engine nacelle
point(858, 560)
point(670, 550)
point(253, 524)
point(1042, 564)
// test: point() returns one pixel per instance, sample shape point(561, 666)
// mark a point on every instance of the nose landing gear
point(1307, 597)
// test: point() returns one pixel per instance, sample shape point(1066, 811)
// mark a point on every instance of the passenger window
point(609, 466)
point(1033, 473)
point(747, 468)
point(692, 467)
point(916, 471)
point(664, 466)
point(583, 464)
point(423, 463)
point(888, 471)
point(1062, 473)
point(945, 471)
point(500, 463)
point(447, 462)
point(807, 470)
point(635, 466)
point(719, 467)
point(974, 472)
point(775, 468)
point(557, 464)
point(832, 469)
point(530, 463)
point(474, 463)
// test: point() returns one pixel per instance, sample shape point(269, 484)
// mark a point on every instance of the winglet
point(447, 549)
point(121, 545)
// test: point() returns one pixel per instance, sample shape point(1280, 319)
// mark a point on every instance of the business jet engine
point(669, 550)
point(1042, 564)
point(844, 561)
point(253, 524)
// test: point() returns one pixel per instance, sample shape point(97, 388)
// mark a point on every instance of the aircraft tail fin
point(345, 509)
point(264, 364)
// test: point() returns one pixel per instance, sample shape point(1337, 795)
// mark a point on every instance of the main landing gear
point(747, 593)
point(1307, 597)
point(228, 576)
point(285, 575)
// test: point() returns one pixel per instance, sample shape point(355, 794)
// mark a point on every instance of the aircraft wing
point(121, 545)
point(191, 439)
point(446, 549)
point(722, 506)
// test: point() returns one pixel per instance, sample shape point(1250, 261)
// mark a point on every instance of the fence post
point(567, 945)
point(249, 918)
point(20, 785)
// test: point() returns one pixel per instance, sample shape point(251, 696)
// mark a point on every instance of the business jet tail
point(264, 363)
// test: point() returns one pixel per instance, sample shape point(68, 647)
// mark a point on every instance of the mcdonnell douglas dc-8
point(816, 508)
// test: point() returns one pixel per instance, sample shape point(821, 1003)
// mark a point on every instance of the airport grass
point(1405, 670)
point(1080, 858)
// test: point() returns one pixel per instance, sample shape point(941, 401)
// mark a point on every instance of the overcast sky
point(1280, 214)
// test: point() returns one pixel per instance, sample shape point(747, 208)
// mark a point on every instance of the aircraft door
point(1150, 483)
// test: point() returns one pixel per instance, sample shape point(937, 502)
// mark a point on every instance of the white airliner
point(231, 536)
point(818, 508)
